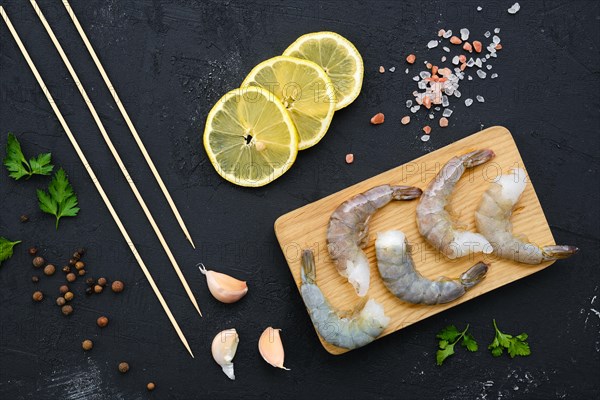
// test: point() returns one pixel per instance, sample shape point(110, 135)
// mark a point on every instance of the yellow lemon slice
point(305, 91)
point(250, 138)
point(338, 57)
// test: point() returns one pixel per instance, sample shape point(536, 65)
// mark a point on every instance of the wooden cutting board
point(306, 227)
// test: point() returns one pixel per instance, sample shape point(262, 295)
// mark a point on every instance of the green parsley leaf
point(6, 248)
point(18, 166)
point(449, 336)
point(515, 346)
point(60, 200)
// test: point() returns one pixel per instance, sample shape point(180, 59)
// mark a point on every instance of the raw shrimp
point(397, 269)
point(348, 230)
point(435, 223)
point(493, 221)
point(350, 332)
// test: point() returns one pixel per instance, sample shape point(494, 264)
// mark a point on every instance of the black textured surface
point(170, 61)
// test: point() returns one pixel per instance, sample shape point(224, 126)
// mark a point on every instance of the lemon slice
point(305, 91)
point(338, 57)
point(250, 138)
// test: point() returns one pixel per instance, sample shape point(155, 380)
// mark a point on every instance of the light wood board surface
point(306, 227)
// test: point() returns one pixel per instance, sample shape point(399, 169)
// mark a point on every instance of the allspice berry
point(60, 301)
point(76, 256)
point(66, 269)
point(67, 309)
point(35, 279)
point(79, 264)
point(87, 345)
point(102, 281)
point(72, 262)
point(89, 281)
point(71, 277)
point(117, 286)
point(49, 270)
point(63, 289)
point(69, 296)
point(102, 321)
point(98, 289)
point(81, 272)
point(32, 251)
point(38, 262)
point(123, 367)
point(80, 251)
point(38, 296)
point(150, 386)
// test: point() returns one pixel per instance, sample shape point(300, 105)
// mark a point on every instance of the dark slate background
point(170, 61)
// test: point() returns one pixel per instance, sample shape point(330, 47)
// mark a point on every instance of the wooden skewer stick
point(132, 129)
point(90, 171)
point(115, 154)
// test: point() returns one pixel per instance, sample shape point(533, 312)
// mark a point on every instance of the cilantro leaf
point(60, 200)
point(6, 248)
point(449, 336)
point(515, 346)
point(18, 166)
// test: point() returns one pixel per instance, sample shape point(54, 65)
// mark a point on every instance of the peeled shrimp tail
point(405, 192)
point(356, 331)
point(473, 275)
point(477, 157)
point(558, 252)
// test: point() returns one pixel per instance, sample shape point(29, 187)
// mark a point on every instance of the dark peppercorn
point(123, 367)
point(24, 218)
point(63, 289)
point(89, 281)
point(102, 321)
point(89, 290)
point(38, 262)
point(66, 269)
point(87, 345)
point(72, 262)
point(71, 277)
point(102, 281)
point(32, 251)
point(80, 251)
point(98, 289)
point(35, 279)
point(67, 309)
point(117, 286)
point(60, 301)
point(69, 296)
point(38, 296)
point(49, 270)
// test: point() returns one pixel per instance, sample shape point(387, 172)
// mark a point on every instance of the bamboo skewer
point(125, 115)
point(116, 155)
point(95, 180)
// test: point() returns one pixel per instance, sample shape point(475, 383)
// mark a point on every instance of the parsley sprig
point(18, 166)
point(60, 200)
point(6, 248)
point(515, 346)
point(449, 337)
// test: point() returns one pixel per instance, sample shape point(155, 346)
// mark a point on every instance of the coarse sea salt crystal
point(483, 59)
point(431, 116)
point(470, 77)
point(497, 30)
point(480, 99)
point(470, 63)
point(455, 60)
point(408, 103)
point(445, 102)
point(514, 8)
point(414, 109)
point(478, 63)
point(437, 109)
point(392, 69)
point(494, 76)
point(496, 39)
point(464, 34)
point(479, 8)
point(424, 138)
point(422, 84)
point(447, 112)
point(468, 102)
point(446, 49)
point(432, 44)
point(443, 58)
point(487, 34)
point(487, 56)
point(457, 94)
point(447, 34)
point(424, 74)
point(489, 66)
point(406, 71)
point(494, 54)
point(481, 74)
point(416, 78)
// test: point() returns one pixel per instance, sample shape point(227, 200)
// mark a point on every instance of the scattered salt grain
point(470, 77)
point(496, 39)
point(479, 8)
point(443, 122)
point(349, 158)
point(446, 49)
point(443, 58)
point(437, 108)
point(424, 138)
point(514, 8)
point(392, 69)
point(447, 34)
point(427, 129)
point(431, 116)
point(455, 60)
point(424, 74)
point(457, 94)
point(481, 74)
point(489, 66)
point(494, 76)
point(445, 101)
point(381, 69)
point(487, 57)
point(416, 78)
point(408, 103)
point(480, 99)
point(497, 30)
point(406, 71)
point(478, 63)
point(405, 120)
point(464, 34)
point(422, 85)
point(470, 63)
point(468, 102)
point(414, 109)
point(432, 44)
point(447, 112)
point(487, 34)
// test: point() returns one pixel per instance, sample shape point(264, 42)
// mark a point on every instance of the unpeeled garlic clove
point(223, 287)
point(224, 346)
point(271, 348)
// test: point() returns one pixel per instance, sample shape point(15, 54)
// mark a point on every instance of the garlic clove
point(271, 347)
point(223, 287)
point(224, 346)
